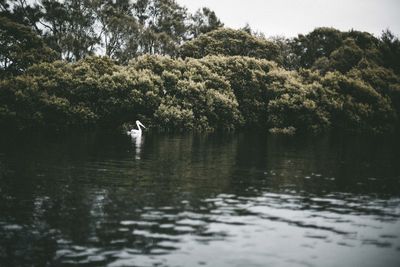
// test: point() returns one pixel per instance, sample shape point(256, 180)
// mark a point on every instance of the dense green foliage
point(231, 43)
point(20, 47)
point(120, 29)
point(169, 93)
point(328, 49)
point(174, 70)
point(215, 92)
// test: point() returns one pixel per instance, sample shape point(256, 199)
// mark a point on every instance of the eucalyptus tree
point(20, 47)
point(20, 42)
point(286, 56)
point(118, 29)
point(203, 21)
point(163, 26)
point(24, 12)
point(69, 27)
point(390, 49)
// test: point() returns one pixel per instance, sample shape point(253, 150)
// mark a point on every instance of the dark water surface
point(199, 200)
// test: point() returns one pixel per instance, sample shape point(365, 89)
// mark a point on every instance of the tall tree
point(321, 42)
point(163, 24)
point(286, 56)
point(20, 47)
point(203, 21)
point(70, 27)
point(390, 48)
point(229, 42)
point(25, 12)
point(346, 56)
point(119, 29)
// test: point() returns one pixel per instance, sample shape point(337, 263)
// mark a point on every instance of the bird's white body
point(136, 132)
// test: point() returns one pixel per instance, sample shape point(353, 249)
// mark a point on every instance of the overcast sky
point(290, 17)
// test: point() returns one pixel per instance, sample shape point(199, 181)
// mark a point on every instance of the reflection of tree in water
point(317, 165)
point(79, 196)
point(43, 198)
point(174, 175)
point(191, 163)
point(175, 169)
point(70, 200)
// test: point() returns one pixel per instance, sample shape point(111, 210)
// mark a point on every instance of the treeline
point(214, 92)
point(73, 29)
point(183, 71)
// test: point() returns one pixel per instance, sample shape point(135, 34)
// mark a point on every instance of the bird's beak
point(142, 125)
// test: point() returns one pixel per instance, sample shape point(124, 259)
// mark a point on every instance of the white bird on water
point(138, 132)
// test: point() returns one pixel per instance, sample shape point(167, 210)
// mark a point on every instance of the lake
point(240, 199)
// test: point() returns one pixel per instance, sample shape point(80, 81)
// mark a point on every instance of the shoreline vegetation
point(187, 72)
